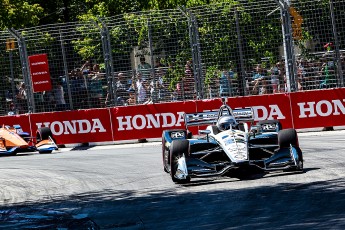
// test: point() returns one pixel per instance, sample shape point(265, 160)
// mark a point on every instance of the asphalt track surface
point(124, 187)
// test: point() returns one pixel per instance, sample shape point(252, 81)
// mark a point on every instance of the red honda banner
point(76, 126)
point(309, 109)
point(319, 108)
point(22, 120)
point(40, 75)
point(148, 121)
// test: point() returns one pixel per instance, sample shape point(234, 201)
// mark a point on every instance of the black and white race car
point(230, 145)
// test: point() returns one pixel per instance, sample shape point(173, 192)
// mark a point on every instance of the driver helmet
point(226, 122)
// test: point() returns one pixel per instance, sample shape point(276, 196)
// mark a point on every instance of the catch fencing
point(233, 49)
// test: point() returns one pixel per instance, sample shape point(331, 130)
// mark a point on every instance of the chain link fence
point(222, 50)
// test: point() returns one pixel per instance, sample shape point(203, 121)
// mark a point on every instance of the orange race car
point(13, 140)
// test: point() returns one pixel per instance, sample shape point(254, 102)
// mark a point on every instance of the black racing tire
point(280, 127)
point(43, 134)
point(177, 149)
point(287, 137)
point(165, 155)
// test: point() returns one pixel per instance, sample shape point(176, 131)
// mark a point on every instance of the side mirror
point(204, 131)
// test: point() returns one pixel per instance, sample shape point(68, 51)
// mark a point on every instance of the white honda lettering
point(328, 106)
point(303, 109)
point(135, 121)
point(263, 110)
point(69, 128)
point(123, 123)
point(338, 105)
point(53, 128)
point(275, 111)
point(45, 124)
point(84, 124)
point(151, 119)
point(97, 124)
point(180, 118)
point(74, 126)
point(172, 120)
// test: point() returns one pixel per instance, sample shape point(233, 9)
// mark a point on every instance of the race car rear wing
point(211, 117)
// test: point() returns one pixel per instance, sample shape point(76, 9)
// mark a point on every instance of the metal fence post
point(198, 77)
point(154, 95)
point(25, 69)
point(66, 70)
point(108, 61)
point(240, 51)
point(289, 53)
point(14, 98)
point(196, 53)
point(340, 81)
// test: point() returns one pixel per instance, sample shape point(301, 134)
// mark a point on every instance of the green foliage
point(19, 14)
point(212, 72)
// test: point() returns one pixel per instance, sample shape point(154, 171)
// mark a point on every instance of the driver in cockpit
point(226, 123)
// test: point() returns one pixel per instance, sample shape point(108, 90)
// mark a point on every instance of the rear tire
point(177, 150)
point(287, 137)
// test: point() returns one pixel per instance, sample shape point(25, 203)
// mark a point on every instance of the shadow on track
point(315, 205)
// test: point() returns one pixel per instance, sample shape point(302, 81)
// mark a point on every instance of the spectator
point(22, 98)
point(259, 86)
point(59, 96)
point(189, 81)
point(78, 89)
point(281, 76)
point(158, 64)
point(121, 88)
point(96, 69)
point(225, 83)
point(141, 87)
point(132, 97)
point(275, 79)
point(49, 101)
point(185, 88)
point(259, 72)
point(144, 68)
point(95, 87)
point(160, 85)
point(12, 110)
point(86, 68)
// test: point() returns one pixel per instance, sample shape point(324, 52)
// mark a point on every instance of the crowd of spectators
point(145, 84)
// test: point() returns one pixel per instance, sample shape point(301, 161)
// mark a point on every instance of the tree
point(19, 14)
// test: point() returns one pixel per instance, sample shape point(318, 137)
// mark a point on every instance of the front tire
point(287, 137)
point(177, 150)
point(165, 156)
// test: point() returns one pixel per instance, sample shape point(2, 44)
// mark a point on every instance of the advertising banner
point(305, 109)
point(76, 126)
point(40, 75)
point(313, 109)
point(22, 120)
point(148, 121)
